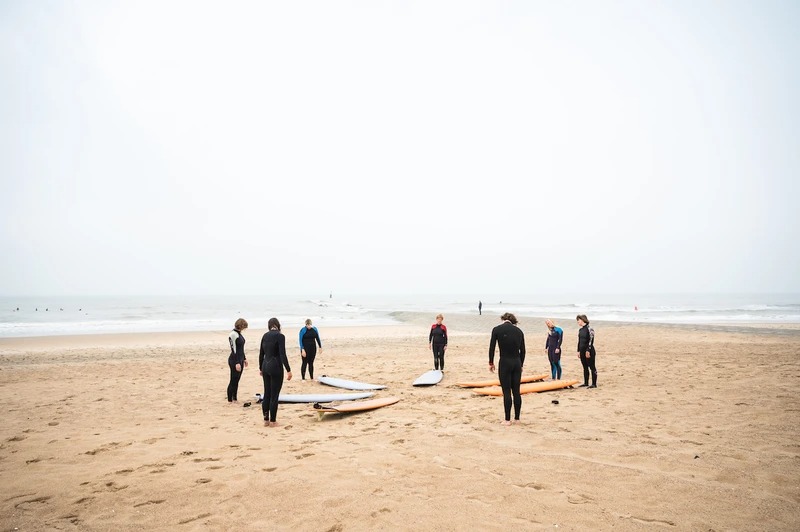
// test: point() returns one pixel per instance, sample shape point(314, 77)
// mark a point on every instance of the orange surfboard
point(496, 382)
point(530, 387)
point(355, 406)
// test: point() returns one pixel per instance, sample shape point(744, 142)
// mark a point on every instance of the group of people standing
point(511, 340)
point(272, 361)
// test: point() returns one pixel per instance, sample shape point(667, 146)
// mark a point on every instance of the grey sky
point(379, 147)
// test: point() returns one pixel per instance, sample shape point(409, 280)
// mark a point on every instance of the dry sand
point(691, 428)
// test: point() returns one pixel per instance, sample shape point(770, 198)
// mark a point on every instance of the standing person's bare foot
point(274, 424)
point(515, 422)
point(266, 423)
point(505, 423)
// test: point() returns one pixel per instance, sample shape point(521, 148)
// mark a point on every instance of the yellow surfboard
point(496, 382)
point(531, 387)
point(355, 406)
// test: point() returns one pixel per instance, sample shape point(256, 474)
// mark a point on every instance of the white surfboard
point(321, 397)
point(429, 378)
point(349, 385)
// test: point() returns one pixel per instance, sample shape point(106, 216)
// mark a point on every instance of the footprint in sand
point(32, 504)
point(154, 501)
point(306, 455)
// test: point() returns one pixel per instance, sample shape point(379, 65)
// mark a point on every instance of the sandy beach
point(690, 428)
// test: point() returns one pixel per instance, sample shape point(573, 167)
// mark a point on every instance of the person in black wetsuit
point(236, 361)
point(586, 351)
point(553, 348)
point(272, 359)
point(437, 341)
point(512, 359)
point(309, 338)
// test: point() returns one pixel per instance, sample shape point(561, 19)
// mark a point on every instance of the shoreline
point(408, 323)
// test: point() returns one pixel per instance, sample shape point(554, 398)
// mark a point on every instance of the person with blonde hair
point(552, 347)
point(237, 361)
point(309, 339)
point(437, 341)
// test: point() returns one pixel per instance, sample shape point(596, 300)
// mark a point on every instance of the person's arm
point(430, 335)
point(319, 340)
point(261, 353)
point(282, 352)
point(560, 334)
point(492, 344)
point(444, 330)
point(300, 340)
point(232, 340)
point(240, 358)
point(521, 348)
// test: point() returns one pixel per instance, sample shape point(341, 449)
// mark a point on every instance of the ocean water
point(44, 316)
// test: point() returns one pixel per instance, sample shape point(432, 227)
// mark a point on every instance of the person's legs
point(276, 383)
point(515, 378)
point(267, 394)
point(310, 359)
point(233, 387)
point(585, 364)
point(591, 367)
point(231, 393)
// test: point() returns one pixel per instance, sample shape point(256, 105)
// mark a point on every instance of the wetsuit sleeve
point(560, 338)
point(522, 349)
point(547, 342)
point(444, 330)
point(232, 341)
point(492, 344)
point(261, 353)
point(319, 340)
point(282, 352)
point(302, 333)
point(430, 336)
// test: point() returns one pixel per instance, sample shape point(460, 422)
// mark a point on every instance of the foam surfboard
point(531, 387)
point(429, 378)
point(349, 385)
point(357, 406)
point(496, 382)
point(321, 397)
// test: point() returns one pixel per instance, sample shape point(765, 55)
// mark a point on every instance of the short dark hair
point(274, 323)
point(509, 317)
point(583, 318)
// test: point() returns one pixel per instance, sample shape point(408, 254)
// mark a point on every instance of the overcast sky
point(387, 147)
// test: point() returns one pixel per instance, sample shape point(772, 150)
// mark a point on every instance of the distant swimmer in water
point(237, 360)
point(553, 348)
point(437, 341)
point(309, 339)
point(511, 340)
point(272, 359)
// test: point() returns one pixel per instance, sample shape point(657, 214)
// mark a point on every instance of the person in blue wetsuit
point(586, 351)
point(309, 339)
point(437, 341)
point(236, 361)
point(272, 359)
point(553, 347)
point(511, 340)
